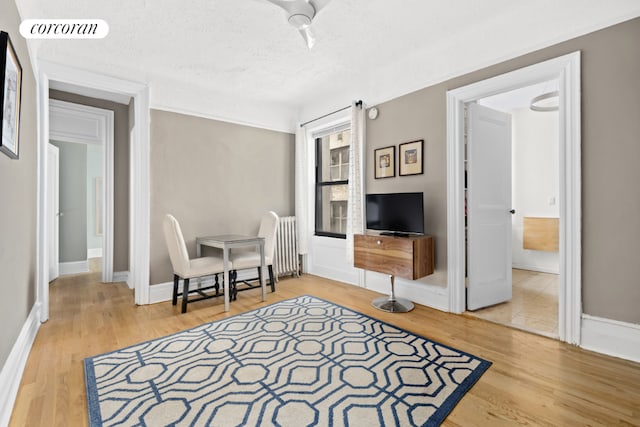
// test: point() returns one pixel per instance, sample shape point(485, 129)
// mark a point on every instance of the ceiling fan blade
point(286, 5)
point(319, 4)
point(308, 36)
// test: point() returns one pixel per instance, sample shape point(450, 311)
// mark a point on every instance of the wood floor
point(533, 380)
point(533, 306)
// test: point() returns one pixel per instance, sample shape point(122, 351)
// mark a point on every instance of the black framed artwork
point(410, 158)
point(10, 94)
point(384, 160)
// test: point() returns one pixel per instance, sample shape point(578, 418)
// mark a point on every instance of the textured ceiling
point(239, 59)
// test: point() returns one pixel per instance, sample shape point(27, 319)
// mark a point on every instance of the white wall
point(535, 174)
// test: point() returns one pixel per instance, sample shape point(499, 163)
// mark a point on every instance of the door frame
point(139, 190)
point(566, 69)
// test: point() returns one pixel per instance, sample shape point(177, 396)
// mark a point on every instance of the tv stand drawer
point(408, 257)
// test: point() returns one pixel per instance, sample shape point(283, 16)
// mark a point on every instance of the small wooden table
point(409, 257)
point(227, 242)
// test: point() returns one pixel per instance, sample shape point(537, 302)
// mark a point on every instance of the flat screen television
point(399, 214)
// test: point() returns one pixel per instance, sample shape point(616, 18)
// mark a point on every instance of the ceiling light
point(300, 21)
point(549, 101)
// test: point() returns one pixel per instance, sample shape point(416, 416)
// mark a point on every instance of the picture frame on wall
point(384, 160)
point(411, 156)
point(10, 94)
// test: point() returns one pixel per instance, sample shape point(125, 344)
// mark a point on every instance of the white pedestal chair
point(251, 259)
point(186, 269)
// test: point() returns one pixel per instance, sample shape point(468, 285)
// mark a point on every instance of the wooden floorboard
point(533, 380)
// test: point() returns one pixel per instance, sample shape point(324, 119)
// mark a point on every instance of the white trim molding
point(532, 267)
point(611, 337)
point(567, 70)
point(74, 267)
point(95, 253)
point(13, 368)
point(82, 124)
point(122, 276)
point(139, 235)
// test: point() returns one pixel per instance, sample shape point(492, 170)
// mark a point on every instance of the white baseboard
point(337, 274)
point(13, 368)
point(611, 337)
point(534, 268)
point(94, 253)
point(414, 290)
point(122, 276)
point(73, 267)
point(164, 291)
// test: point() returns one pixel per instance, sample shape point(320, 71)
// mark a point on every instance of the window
point(332, 178)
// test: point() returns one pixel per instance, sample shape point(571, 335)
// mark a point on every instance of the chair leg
point(216, 286)
point(185, 295)
point(271, 281)
point(233, 285)
point(176, 279)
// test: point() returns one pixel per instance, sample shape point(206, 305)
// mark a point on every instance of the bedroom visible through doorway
point(535, 212)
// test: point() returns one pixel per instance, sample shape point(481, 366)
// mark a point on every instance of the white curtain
point(302, 190)
point(356, 172)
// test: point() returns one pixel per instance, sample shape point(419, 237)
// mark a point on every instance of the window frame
point(320, 185)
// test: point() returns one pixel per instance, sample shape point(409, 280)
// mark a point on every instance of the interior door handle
point(512, 211)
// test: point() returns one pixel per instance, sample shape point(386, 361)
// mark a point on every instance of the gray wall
point(18, 198)
point(73, 201)
point(215, 178)
point(121, 171)
point(610, 155)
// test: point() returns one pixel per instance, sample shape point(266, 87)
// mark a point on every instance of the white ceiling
point(239, 60)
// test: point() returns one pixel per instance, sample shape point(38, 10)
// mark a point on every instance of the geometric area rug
point(300, 362)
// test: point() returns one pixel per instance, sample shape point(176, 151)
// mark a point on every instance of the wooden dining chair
point(186, 269)
point(251, 259)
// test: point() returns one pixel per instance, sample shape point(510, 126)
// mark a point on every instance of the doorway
point(566, 70)
point(81, 209)
point(533, 172)
point(99, 86)
point(83, 222)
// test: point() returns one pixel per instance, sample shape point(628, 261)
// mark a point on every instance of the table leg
point(263, 282)
point(225, 258)
point(392, 303)
point(198, 250)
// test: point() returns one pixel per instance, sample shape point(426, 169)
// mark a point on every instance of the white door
point(53, 209)
point(488, 207)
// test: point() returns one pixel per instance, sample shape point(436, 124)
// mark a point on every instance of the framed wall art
point(410, 158)
point(384, 160)
point(10, 92)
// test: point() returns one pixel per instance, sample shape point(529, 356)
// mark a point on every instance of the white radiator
point(286, 258)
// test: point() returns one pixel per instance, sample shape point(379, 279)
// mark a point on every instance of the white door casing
point(53, 210)
point(488, 206)
point(567, 70)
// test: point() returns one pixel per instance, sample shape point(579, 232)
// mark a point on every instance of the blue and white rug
point(297, 363)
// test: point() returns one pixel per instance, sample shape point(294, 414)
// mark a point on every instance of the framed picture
point(411, 156)
point(384, 160)
point(10, 91)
